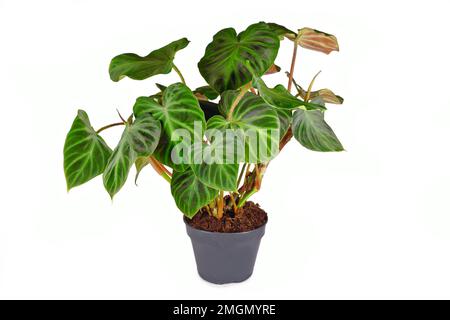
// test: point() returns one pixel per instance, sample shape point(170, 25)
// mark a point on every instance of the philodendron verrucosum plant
point(201, 147)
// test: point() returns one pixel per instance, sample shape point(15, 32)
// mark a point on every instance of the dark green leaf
point(282, 31)
point(136, 67)
point(190, 193)
point(180, 109)
point(311, 130)
point(139, 139)
point(207, 91)
point(214, 167)
point(223, 65)
point(251, 116)
point(285, 117)
point(85, 152)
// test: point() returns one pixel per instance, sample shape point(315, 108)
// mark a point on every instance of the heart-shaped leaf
point(190, 193)
point(254, 121)
point(214, 167)
point(179, 110)
point(85, 152)
point(136, 67)
point(224, 64)
point(139, 139)
point(311, 130)
point(317, 40)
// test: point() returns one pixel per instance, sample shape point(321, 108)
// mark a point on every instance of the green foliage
point(224, 64)
point(190, 193)
point(85, 152)
point(311, 130)
point(136, 67)
point(196, 144)
point(139, 139)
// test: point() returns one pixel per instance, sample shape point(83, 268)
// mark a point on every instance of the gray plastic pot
point(225, 257)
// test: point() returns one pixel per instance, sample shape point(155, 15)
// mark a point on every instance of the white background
point(371, 222)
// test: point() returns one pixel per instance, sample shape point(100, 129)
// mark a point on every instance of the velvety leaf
point(180, 109)
point(285, 117)
point(282, 31)
point(136, 67)
point(317, 40)
point(140, 163)
point(281, 98)
point(207, 91)
point(214, 169)
point(85, 152)
point(139, 139)
point(311, 130)
point(223, 65)
point(190, 193)
point(251, 115)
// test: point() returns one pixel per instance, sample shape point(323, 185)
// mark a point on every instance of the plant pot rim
point(222, 233)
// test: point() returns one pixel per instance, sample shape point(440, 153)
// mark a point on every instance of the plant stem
point(110, 126)
point(220, 205)
point(179, 73)
point(160, 169)
point(235, 209)
point(241, 94)
point(245, 197)
point(241, 174)
point(291, 71)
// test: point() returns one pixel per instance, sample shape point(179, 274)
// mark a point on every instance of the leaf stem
point(291, 71)
point(241, 174)
point(241, 94)
point(179, 73)
point(160, 169)
point(235, 209)
point(220, 205)
point(110, 126)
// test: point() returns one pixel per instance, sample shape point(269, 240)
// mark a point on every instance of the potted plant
point(212, 144)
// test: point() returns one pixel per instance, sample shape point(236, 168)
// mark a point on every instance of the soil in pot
point(248, 218)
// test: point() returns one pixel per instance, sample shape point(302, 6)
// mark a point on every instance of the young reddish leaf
point(317, 40)
point(273, 69)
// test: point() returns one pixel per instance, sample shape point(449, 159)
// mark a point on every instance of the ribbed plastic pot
point(225, 257)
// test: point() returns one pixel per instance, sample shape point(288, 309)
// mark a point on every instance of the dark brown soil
point(249, 217)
